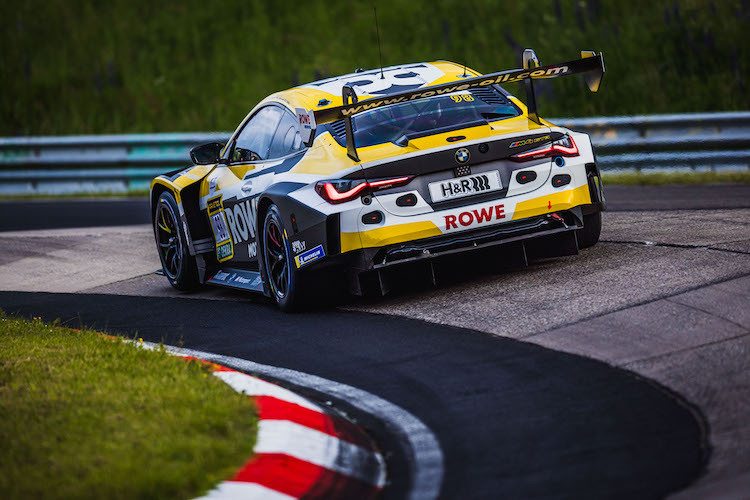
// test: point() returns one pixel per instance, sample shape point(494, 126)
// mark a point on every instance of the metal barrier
point(121, 163)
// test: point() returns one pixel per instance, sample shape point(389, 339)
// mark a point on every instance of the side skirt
point(240, 279)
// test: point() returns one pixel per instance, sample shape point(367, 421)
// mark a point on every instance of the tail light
point(341, 191)
point(562, 147)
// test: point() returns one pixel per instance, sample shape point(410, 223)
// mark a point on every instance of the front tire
point(178, 265)
point(281, 276)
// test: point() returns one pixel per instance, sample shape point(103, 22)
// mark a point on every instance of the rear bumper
point(463, 222)
point(446, 245)
point(373, 269)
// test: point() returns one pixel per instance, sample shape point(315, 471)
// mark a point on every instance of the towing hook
point(559, 219)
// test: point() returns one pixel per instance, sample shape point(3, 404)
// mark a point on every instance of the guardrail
point(121, 163)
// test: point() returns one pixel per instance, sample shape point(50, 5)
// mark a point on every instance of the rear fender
point(307, 228)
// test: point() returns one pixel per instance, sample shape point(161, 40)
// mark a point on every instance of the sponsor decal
point(306, 124)
point(475, 184)
point(214, 205)
point(310, 256)
point(462, 155)
point(529, 141)
point(467, 185)
point(224, 251)
point(505, 77)
point(476, 216)
point(462, 97)
point(217, 215)
point(221, 276)
point(240, 279)
point(298, 246)
point(241, 219)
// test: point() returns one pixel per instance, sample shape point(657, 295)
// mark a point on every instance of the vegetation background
point(92, 66)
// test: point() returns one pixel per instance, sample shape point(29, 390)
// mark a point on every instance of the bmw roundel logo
point(462, 155)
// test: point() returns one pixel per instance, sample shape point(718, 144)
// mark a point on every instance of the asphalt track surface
point(514, 419)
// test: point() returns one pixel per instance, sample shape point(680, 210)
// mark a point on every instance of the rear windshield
point(398, 123)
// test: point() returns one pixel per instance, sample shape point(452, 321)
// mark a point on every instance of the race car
point(366, 174)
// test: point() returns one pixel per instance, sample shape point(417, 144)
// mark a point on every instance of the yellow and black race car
point(371, 171)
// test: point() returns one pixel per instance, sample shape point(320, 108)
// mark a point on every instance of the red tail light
point(562, 147)
point(341, 191)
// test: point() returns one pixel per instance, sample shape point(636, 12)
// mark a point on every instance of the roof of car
point(372, 83)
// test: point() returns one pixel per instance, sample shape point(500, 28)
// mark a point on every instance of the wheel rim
point(276, 259)
point(168, 239)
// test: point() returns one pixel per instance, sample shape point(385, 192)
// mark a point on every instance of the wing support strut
point(351, 148)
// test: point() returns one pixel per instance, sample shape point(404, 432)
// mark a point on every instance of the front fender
point(185, 186)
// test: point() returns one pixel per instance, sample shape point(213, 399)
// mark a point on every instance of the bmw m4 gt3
point(368, 172)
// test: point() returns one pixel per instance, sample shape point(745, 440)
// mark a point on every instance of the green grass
point(663, 178)
point(86, 416)
point(76, 66)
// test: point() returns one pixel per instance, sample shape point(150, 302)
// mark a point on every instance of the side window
point(255, 139)
point(286, 140)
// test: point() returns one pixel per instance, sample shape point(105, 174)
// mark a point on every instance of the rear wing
point(590, 62)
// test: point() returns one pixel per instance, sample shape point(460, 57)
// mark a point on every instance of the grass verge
point(138, 66)
point(663, 178)
point(89, 416)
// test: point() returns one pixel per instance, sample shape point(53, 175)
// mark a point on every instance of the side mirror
point(206, 154)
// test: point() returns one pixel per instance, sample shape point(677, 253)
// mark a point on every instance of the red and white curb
point(294, 464)
point(424, 457)
point(302, 450)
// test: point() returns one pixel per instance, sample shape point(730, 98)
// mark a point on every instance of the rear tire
point(588, 236)
point(171, 242)
point(284, 282)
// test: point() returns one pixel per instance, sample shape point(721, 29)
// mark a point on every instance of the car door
point(270, 135)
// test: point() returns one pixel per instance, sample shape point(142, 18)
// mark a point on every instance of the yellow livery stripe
point(388, 235)
point(558, 201)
